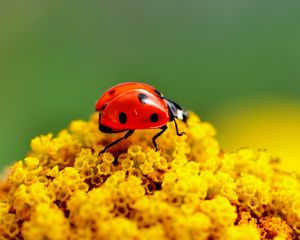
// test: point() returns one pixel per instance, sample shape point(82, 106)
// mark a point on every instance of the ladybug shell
point(120, 89)
point(134, 109)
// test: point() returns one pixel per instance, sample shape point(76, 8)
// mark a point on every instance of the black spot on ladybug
point(112, 92)
point(122, 117)
point(142, 98)
point(105, 129)
point(102, 107)
point(158, 93)
point(154, 117)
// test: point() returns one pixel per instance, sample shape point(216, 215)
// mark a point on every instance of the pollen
point(188, 189)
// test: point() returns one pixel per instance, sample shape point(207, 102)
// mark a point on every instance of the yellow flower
point(189, 189)
point(241, 232)
point(263, 122)
point(46, 222)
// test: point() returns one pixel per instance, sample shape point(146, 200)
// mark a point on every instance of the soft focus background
point(236, 63)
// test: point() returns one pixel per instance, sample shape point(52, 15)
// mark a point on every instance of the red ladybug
point(132, 105)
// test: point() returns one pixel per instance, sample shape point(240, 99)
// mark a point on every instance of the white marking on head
point(180, 114)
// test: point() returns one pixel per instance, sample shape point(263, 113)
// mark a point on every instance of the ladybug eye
point(122, 117)
point(154, 117)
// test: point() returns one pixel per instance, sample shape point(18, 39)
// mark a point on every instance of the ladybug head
point(176, 111)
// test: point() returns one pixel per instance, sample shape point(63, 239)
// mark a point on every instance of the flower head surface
point(189, 189)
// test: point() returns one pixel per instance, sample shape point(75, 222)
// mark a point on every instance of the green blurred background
point(57, 57)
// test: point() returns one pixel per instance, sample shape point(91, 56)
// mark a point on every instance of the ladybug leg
point(128, 134)
point(163, 128)
point(178, 133)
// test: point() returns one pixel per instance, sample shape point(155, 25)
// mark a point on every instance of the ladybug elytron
point(132, 105)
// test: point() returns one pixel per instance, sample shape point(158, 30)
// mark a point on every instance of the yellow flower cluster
point(189, 189)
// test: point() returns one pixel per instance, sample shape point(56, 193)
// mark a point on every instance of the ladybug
point(132, 105)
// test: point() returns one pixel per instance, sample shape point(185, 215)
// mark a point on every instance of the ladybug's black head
point(176, 111)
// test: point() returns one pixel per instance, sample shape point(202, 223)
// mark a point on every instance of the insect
point(132, 105)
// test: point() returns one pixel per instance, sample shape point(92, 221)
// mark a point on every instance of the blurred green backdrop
point(57, 57)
